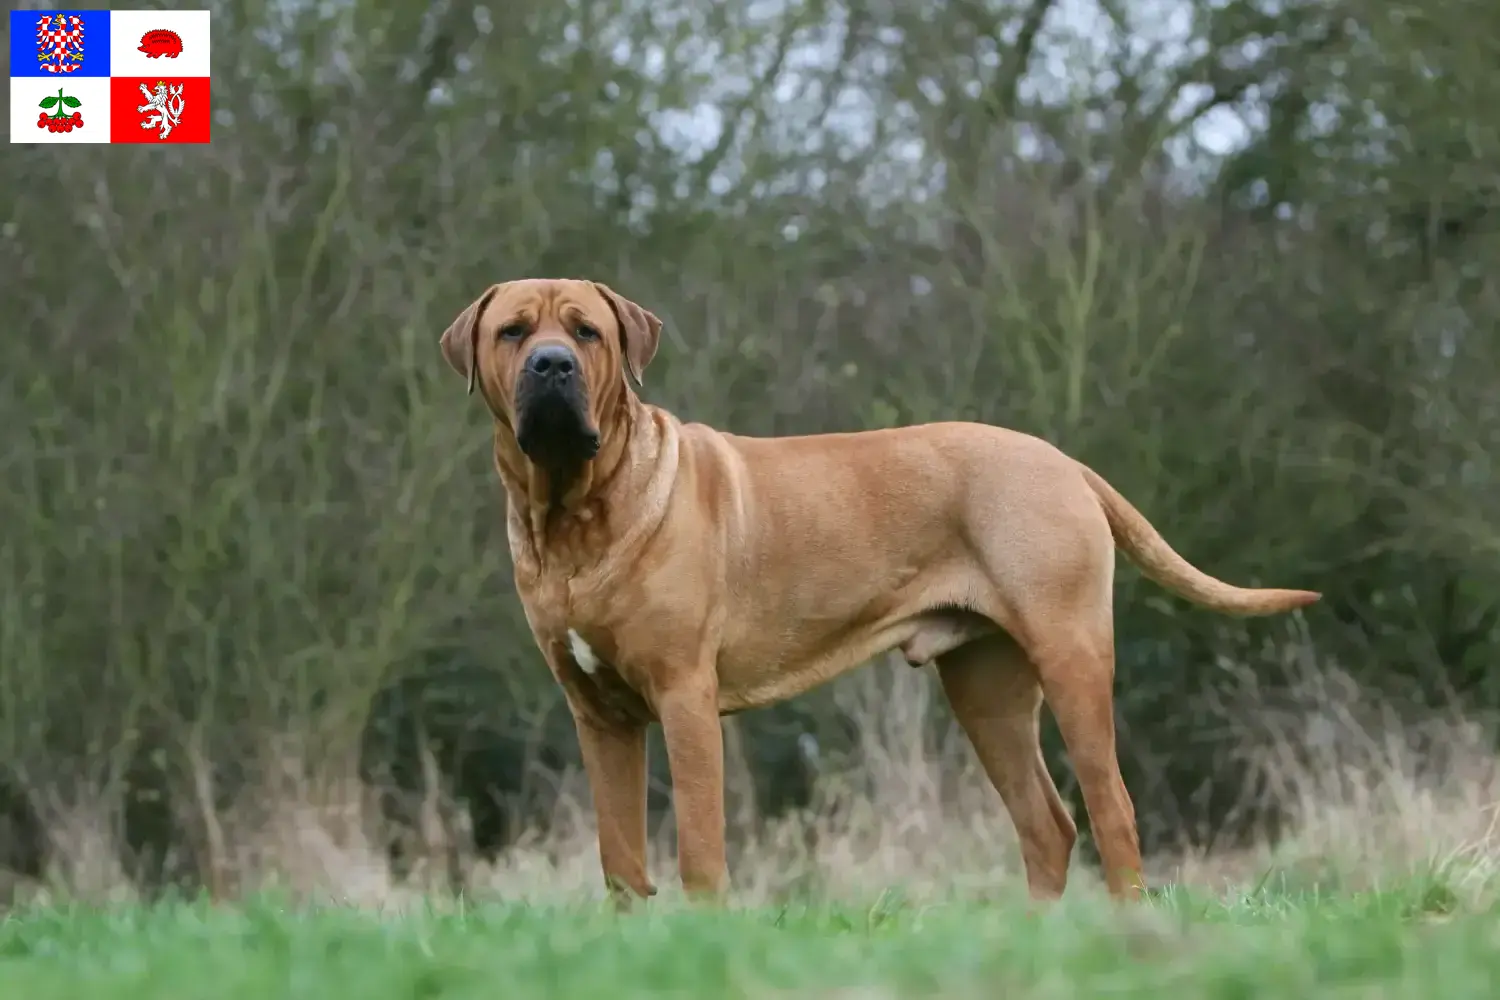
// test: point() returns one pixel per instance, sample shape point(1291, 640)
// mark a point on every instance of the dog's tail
point(1148, 550)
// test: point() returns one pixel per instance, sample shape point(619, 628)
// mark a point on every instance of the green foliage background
point(1244, 265)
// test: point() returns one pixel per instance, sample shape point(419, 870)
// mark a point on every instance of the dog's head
point(550, 357)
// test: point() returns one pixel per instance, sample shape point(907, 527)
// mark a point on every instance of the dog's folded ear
point(640, 331)
point(460, 342)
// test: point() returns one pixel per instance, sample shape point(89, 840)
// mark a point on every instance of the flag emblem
point(160, 42)
point(163, 108)
point(59, 42)
point(59, 120)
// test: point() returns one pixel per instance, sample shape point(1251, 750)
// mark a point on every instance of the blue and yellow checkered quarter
point(59, 43)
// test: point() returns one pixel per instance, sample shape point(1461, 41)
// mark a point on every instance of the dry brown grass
point(1377, 790)
point(1375, 794)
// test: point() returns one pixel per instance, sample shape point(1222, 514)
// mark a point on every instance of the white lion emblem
point(167, 103)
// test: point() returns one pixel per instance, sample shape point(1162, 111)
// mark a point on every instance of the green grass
point(1413, 942)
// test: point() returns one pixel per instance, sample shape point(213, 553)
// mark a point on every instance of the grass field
point(1385, 886)
point(1413, 940)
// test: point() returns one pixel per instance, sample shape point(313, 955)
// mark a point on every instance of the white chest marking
point(587, 661)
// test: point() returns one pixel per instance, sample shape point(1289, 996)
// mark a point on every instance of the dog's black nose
point(552, 361)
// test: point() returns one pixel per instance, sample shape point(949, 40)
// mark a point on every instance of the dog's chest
point(575, 630)
point(583, 653)
point(605, 681)
point(595, 651)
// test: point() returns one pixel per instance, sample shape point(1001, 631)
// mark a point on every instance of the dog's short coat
point(674, 573)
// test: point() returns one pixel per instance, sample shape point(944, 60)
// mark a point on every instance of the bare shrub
point(1375, 786)
point(85, 854)
point(1376, 791)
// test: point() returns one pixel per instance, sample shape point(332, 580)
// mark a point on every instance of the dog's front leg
point(689, 713)
point(614, 758)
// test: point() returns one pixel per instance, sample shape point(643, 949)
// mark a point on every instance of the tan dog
point(674, 573)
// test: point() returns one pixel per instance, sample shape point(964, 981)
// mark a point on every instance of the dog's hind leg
point(1076, 667)
point(1052, 574)
point(996, 696)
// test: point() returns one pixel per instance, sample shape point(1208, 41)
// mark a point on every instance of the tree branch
point(746, 112)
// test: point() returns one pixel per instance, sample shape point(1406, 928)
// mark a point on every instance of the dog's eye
point(586, 332)
point(513, 331)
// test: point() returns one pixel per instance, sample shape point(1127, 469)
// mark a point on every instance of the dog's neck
point(557, 517)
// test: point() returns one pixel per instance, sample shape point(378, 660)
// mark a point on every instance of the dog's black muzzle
point(552, 411)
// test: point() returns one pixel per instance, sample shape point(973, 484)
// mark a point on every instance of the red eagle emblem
point(59, 42)
point(161, 42)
